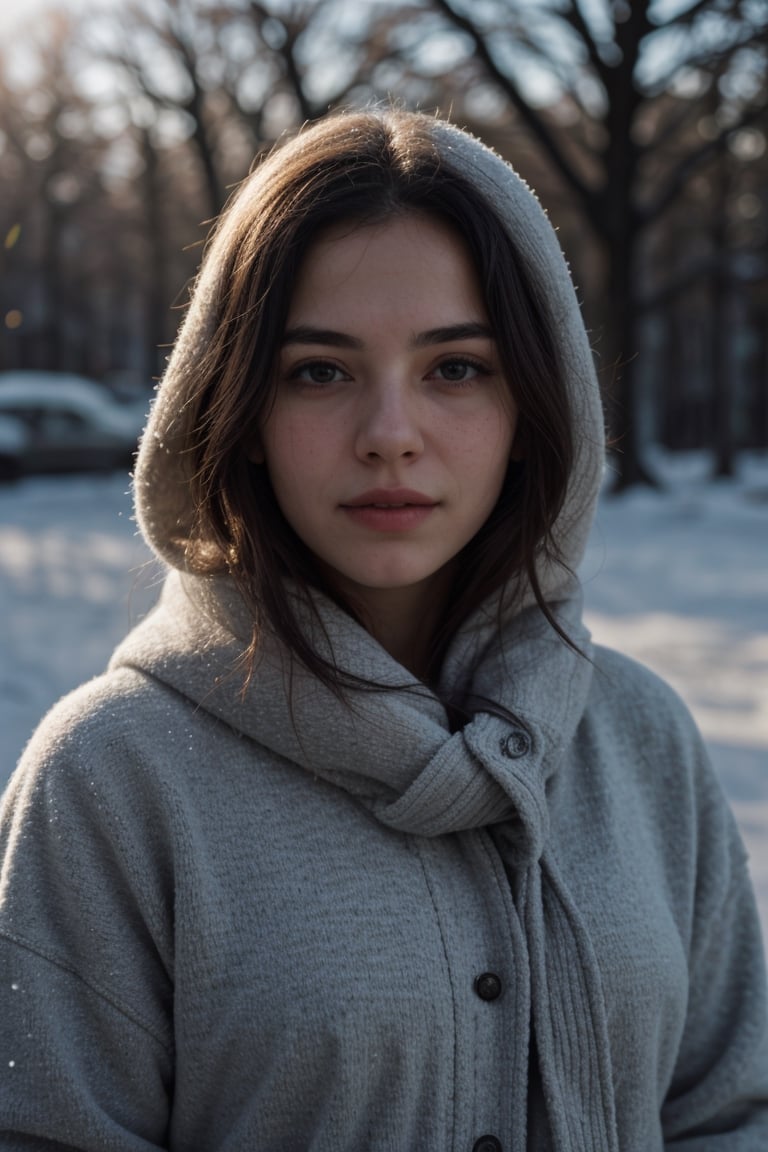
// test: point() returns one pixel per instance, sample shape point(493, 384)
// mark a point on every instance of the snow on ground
point(677, 579)
point(73, 577)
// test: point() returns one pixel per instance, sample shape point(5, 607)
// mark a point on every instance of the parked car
point(57, 422)
point(14, 438)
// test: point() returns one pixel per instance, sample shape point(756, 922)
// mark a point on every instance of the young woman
point(359, 844)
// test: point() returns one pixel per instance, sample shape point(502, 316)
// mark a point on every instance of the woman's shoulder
point(626, 690)
point(641, 732)
point(117, 725)
point(120, 702)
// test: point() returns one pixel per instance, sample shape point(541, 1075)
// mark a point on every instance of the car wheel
point(10, 469)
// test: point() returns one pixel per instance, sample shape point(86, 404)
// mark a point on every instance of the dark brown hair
point(363, 167)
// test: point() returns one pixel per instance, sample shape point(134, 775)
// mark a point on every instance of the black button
point(516, 743)
point(488, 986)
point(487, 1144)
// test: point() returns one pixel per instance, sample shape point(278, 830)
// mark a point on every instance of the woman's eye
point(459, 371)
point(318, 372)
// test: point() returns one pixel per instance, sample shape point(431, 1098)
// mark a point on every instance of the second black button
point(487, 1144)
point(488, 986)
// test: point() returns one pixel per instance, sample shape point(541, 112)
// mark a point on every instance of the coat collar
point(391, 747)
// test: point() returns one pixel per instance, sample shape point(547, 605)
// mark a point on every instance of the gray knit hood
point(162, 497)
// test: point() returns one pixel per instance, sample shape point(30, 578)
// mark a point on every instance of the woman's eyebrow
point(306, 334)
point(450, 332)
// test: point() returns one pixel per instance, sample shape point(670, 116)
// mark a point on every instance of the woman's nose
point(389, 426)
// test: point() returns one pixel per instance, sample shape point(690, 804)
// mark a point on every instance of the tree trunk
point(622, 244)
point(720, 346)
point(156, 294)
point(622, 400)
point(760, 387)
point(50, 349)
point(620, 226)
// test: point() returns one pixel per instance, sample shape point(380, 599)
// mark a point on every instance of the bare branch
point(532, 119)
point(693, 161)
point(710, 58)
point(688, 15)
point(575, 17)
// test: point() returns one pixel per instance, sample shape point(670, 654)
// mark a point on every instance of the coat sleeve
point(718, 1098)
point(85, 987)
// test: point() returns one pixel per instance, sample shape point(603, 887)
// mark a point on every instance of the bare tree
point(604, 117)
point(205, 88)
point(162, 51)
point(236, 74)
point(611, 67)
point(55, 204)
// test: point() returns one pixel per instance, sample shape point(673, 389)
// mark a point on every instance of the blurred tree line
point(643, 126)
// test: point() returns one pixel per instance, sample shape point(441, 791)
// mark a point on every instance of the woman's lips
point(390, 519)
point(394, 510)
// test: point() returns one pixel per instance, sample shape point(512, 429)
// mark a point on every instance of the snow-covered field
point(679, 580)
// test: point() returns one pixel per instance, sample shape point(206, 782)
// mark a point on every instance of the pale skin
point(392, 428)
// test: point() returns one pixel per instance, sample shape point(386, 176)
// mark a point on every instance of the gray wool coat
point(245, 922)
point(221, 932)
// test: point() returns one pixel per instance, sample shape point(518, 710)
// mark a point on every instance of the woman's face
point(391, 431)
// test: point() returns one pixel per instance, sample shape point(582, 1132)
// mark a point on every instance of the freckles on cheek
point(481, 462)
point(295, 445)
point(489, 440)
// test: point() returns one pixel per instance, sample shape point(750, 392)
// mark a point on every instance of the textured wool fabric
point(264, 918)
point(215, 934)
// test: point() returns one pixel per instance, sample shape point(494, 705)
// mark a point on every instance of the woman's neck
point(404, 620)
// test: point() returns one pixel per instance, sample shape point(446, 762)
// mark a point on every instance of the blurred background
point(124, 126)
